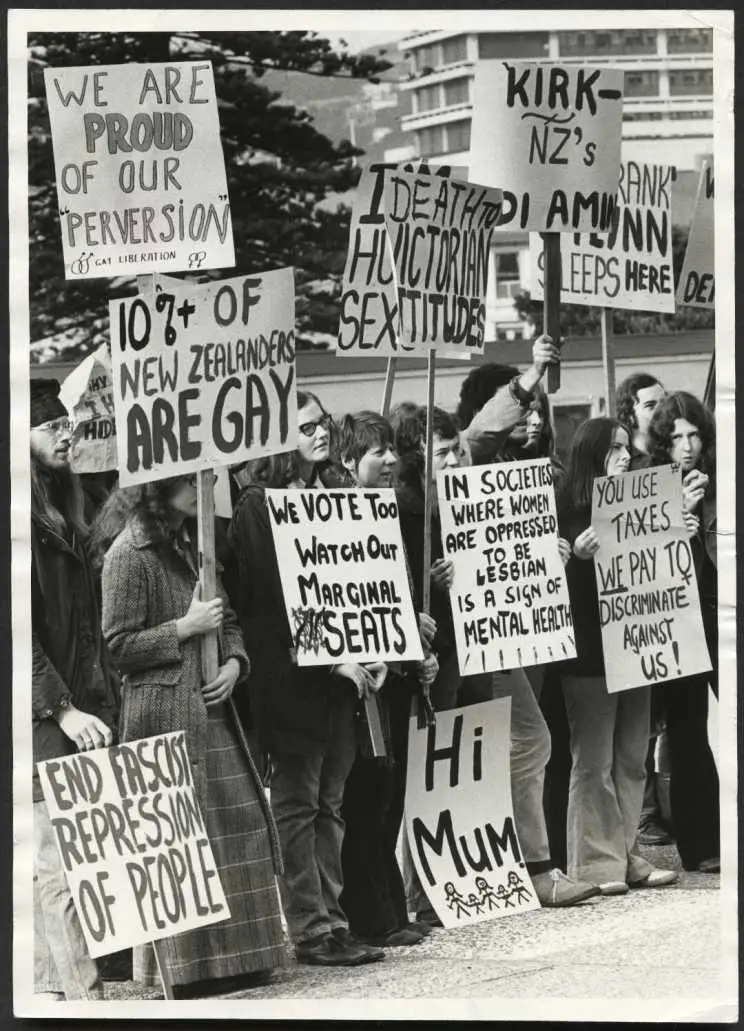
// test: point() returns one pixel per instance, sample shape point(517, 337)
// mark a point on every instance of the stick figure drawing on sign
point(503, 894)
point(455, 900)
point(518, 887)
point(488, 895)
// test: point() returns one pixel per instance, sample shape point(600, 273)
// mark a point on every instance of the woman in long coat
point(153, 620)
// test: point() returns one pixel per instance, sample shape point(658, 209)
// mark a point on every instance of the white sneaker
point(554, 889)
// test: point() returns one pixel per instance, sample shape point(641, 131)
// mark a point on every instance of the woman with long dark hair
point(609, 732)
point(153, 621)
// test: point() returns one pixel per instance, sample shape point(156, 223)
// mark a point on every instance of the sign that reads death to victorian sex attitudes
point(549, 137)
point(649, 608)
point(509, 597)
point(697, 281)
point(344, 576)
point(204, 376)
point(133, 842)
point(139, 168)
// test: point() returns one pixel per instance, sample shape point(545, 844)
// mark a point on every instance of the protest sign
point(509, 598)
point(344, 576)
point(629, 267)
point(139, 168)
point(133, 842)
point(88, 395)
point(549, 137)
point(459, 817)
point(697, 281)
point(204, 375)
point(649, 609)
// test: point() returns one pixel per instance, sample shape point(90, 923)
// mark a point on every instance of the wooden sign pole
point(163, 970)
point(207, 566)
point(552, 301)
point(429, 487)
point(387, 394)
point(709, 396)
point(608, 362)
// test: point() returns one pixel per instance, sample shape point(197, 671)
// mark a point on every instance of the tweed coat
point(144, 592)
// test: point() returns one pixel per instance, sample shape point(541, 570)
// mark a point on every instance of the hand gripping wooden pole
point(552, 301)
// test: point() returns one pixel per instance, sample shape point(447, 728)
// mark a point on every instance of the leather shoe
point(656, 879)
point(327, 951)
point(428, 916)
point(710, 865)
point(420, 926)
point(613, 888)
point(403, 936)
point(652, 833)
point(344, 937)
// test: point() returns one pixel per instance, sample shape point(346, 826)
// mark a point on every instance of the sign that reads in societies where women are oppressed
point(697, 281)
point(344, 576)
point(509, 597)
point(459, 818)
point(88, 395)
point(133, 842)
point(649, 608)
point(549, 137)
point(631, 266)
point(204, 376)
point(139, 168)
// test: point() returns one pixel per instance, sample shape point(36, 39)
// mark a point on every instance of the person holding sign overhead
point(74, 701)
point(304, 715)
point(154, 620)
point(609, 732)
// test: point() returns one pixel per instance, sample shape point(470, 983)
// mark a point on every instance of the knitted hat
point(45, 403)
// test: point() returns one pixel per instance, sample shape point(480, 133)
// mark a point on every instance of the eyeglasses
point(56, 427)
point(307, 429)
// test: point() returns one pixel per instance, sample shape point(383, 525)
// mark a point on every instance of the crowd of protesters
point(117, 624)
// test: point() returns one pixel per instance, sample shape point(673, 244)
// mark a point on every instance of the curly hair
point(586, 460)
point(409, 436)
point(626, 398)
point(681, 405)
point(479, 386)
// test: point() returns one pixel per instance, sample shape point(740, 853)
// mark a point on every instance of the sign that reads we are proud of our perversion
point(629, 267)
point(649, 608)
point(133, 842)
point(549, 136)
point(697, 281)
point(459, 818)
point(139, 168)
point(509, 597)
point(344, 576)
point(204, 376)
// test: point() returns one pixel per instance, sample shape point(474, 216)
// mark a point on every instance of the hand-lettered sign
point(204, 375)
point(697, 281)
point(549, 137)
point(649, 608)
point(459, 818)
point(139, 168)
point(133, 842)
point(88, 395)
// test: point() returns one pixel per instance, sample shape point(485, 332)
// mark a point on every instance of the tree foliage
point(279, 169)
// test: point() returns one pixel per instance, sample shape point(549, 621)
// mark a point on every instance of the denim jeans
point(61, 959)
point(307, 790)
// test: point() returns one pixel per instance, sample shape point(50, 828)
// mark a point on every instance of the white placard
point(88, 395)
point(697, 281)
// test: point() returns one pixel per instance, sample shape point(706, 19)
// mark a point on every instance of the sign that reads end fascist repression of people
point(697, 281)
point(88, 395)
point(459, 818)
point(549, 135)
point(509, 597)
point(649, 608)
point(139, 169)
point(133, 842)
point(629, 267)
point(204, 376)
point(344, 576)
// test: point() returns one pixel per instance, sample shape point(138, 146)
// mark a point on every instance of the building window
point(641, 84)
point(644, 116)
point(566, 420)
point(456, 92)
point(431, 141)
point(690, 41)
point(607, 44)
point(691, 82)
point(425, 58)
point(458, 136)
point(427, 99)
point(515, 45)
point(680, 115)
point(454, 50)
point(507, 275)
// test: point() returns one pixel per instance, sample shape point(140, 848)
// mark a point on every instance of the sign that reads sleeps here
point(649, 608)
point(139, 169)
point(697, 281)
point(133, 842)
point(344, 576)
point(549, 137)
point(629, 267)
point(204, 376)
point(459, 818)
point(510, 603)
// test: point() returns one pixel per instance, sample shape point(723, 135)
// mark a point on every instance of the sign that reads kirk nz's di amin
point(133, 842)
point(139, 168)
point(459, 817)
point(204, 376)
point(549, 137)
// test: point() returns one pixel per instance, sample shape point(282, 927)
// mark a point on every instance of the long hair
point(409, 429)
point(146, 501)
point(626, 398)
point(57, 500)
point(479, 386)
point(360, 433)
point(682, 405)
point(586, 460)
point(545, 447)
point(282, 469)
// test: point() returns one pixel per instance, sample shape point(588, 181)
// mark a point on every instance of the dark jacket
point(582, 590)
point(69, 658)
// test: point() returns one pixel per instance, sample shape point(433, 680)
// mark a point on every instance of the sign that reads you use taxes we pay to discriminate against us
point(139, 168)
point(344, 576)
point(133, 842)
point(549, 136)
point(204, 376)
